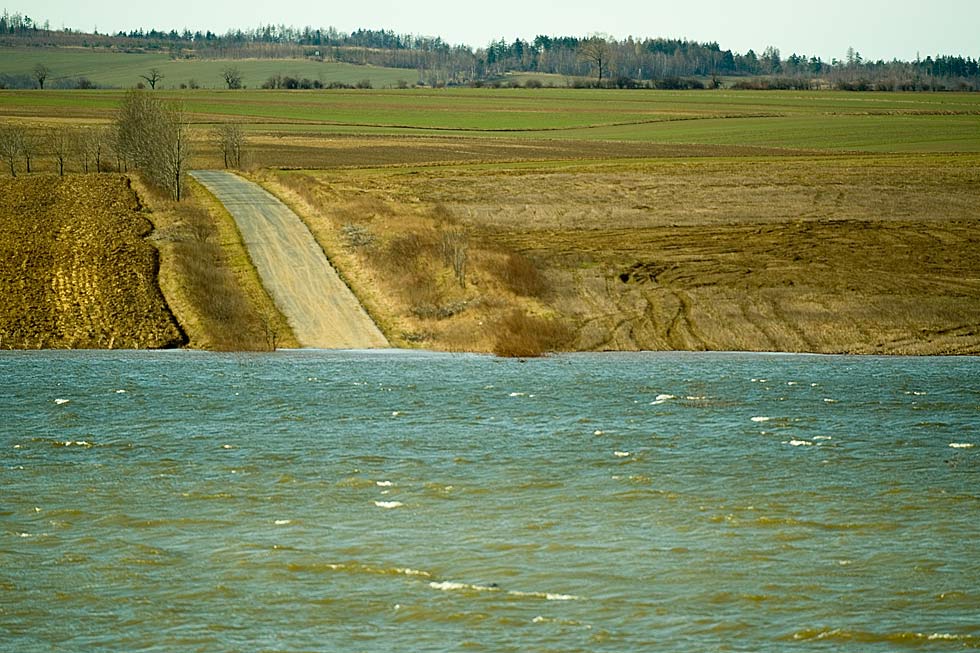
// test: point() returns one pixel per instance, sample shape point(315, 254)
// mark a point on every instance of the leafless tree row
point(230, 139)
point(88, 147)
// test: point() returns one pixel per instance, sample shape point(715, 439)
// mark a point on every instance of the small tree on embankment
point(152, 137)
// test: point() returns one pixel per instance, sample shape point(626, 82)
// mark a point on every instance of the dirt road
point(321, 309)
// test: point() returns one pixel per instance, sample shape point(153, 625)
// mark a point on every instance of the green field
point(123, 69)
point(879, 122)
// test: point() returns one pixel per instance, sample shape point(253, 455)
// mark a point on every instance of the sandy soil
point(320, 308)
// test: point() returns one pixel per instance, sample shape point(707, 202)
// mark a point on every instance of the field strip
point(321, 309)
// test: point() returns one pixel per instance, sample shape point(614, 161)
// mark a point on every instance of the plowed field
point(75, 270)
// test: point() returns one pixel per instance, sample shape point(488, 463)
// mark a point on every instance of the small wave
point(357, 568)
point(74, 443)
point(406, 571)
point(62, 402)
point(799, 443)
point(761, 419)
point(867, 637)
point(388, 505)
point(622, 454)
point(662, 398)
point(961, 445)
point(541, 619)
point(383, 483)
point(120, 392)
point(283, 522)
point(547, 596)
point(453, 586)
point(828, 400)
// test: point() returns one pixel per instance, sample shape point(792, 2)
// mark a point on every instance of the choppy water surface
point(311, 501)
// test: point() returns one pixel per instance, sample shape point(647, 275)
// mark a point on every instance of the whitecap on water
point(622, 454)
point(383, 483)
point(799, 443)
point(661, 398)
point(961, 445)
point(450, 586)
point(761, 419)
point(388, 505)
point(283, 522)
point(62, 402)
point(548, 596)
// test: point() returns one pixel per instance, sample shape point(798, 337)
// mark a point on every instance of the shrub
point(520, 335)
point(357, 235)
point(522, 276)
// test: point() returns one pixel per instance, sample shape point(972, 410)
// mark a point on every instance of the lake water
point(340, 502)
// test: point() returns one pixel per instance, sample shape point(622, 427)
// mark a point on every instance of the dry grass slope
point(856, 254)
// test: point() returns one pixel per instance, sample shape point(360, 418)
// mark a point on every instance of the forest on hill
point(597, 61)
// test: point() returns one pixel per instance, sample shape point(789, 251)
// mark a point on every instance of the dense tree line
point(653, 62)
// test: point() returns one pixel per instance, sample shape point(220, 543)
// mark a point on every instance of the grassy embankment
point(207, 277)
point(623, 220)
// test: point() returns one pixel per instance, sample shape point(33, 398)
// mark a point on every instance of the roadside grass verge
point(208, 278)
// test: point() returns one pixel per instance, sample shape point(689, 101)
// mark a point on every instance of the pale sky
point(878, 29)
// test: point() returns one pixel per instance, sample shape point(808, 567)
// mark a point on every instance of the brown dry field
point(830, 254)
point(75, 269)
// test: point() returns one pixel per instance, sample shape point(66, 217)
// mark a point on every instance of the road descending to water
point(320, 308)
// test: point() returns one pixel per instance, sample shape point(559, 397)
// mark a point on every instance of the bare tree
point(96, 141)
point(152, 77)
point(455, 247)
point(61, 143)
point(11, 139)
point(230, 138)
point(41, 73)
point(152, 136)
point(595, 50)
point(30, 145)
point(232, 76)
point(175, 148)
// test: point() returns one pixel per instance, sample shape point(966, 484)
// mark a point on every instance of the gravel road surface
point(321, 309)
